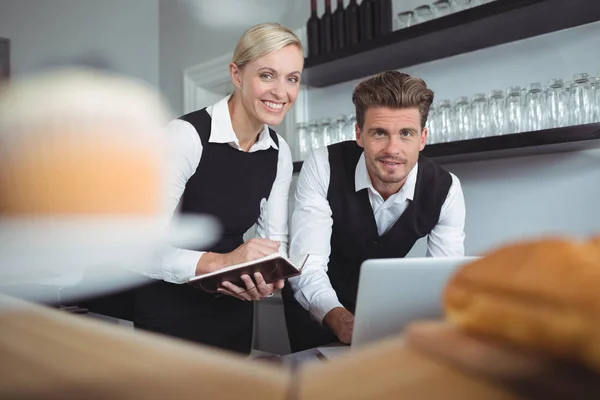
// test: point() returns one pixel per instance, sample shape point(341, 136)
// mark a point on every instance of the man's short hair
point(392, 89)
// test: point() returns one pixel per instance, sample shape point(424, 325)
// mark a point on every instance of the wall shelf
point(547, 141)
point(491, 24)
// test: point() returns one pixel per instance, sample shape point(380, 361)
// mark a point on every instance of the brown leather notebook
point(272, 267)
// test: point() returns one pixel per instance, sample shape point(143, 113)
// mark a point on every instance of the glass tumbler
point(462, 118)
point(302, 142)
point(432, 125)
point(351, 130)
point(340, 127)
point(460, 5)
point(497, 113)
point(580, 100)
point(404, 19)
point(423, 13)
point(444, 127)
point(316, 137)
point(441, 8)
point(556, 104)
point(534, 108)
point(514, 110)
point(480, 112)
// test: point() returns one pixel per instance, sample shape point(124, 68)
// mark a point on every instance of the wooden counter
point(50, 354)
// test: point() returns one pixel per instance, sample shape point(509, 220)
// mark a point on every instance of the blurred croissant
point(541, 295)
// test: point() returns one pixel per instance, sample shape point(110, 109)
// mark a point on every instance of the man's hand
point(341, 322)
point(251, 250)
point(255, 290)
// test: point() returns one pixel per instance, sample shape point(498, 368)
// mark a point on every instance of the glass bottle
point(312, 30)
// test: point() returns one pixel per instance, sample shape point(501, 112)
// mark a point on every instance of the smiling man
point(369, 198)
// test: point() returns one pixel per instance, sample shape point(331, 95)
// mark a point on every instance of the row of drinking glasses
point(517, 109)
point(314, 134)
point(500, 112)
point(437, 9)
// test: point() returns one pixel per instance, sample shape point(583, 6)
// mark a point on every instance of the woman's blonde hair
point(263, 39)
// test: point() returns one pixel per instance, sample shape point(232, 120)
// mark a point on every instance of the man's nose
point(394, 146)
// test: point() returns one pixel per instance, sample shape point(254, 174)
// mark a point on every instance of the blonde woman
point(230, 164)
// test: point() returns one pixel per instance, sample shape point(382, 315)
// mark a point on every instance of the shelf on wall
point(491, 24)
point(557, 140)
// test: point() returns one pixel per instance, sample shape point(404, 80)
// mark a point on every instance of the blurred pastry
point(542, 296)
point(78, 142)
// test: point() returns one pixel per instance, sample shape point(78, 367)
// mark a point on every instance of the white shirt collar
point(362, 180)
point(221, 129)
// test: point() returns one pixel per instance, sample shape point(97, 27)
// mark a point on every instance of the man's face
point(392, 140)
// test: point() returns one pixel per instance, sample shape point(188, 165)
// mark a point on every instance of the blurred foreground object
point(540, 296)
point(76, 143)
point(46, 354)
point(82, 182)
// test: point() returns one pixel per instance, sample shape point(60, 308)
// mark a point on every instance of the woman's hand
point(251, 250)
point(255, 289)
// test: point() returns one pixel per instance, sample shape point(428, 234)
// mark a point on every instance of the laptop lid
point(394, 292)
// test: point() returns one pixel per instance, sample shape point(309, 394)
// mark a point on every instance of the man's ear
point(423, 139)
point(359, 136)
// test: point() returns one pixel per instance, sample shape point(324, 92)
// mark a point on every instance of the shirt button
point(375, 241)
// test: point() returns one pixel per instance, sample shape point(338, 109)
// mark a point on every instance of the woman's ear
point(236, 75)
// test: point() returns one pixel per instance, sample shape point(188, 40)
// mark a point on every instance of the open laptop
point(394, 292)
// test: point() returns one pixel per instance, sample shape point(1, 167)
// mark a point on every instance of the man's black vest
point(355, 237)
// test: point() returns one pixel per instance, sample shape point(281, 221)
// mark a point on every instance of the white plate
point(49, 253)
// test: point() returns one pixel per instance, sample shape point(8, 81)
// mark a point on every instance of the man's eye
point(406, 133)
point(379, 133)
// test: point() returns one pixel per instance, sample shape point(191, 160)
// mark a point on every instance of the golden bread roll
point(76, 142)
point(541, 295)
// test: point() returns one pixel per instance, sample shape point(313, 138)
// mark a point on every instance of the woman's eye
point(266, 76)
point(294, 79)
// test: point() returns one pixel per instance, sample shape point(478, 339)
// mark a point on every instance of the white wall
point(123, 32)
point(520, 197)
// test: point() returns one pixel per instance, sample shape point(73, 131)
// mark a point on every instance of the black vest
point(228, 184)
point(355, 237)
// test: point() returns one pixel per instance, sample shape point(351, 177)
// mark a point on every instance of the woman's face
point(269, 85)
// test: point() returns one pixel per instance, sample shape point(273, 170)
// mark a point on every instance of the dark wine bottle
point(339, 40)
point(352, 22)
point(365, 13)
point(327, 29)
point(382, 17)
point(312, 31)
